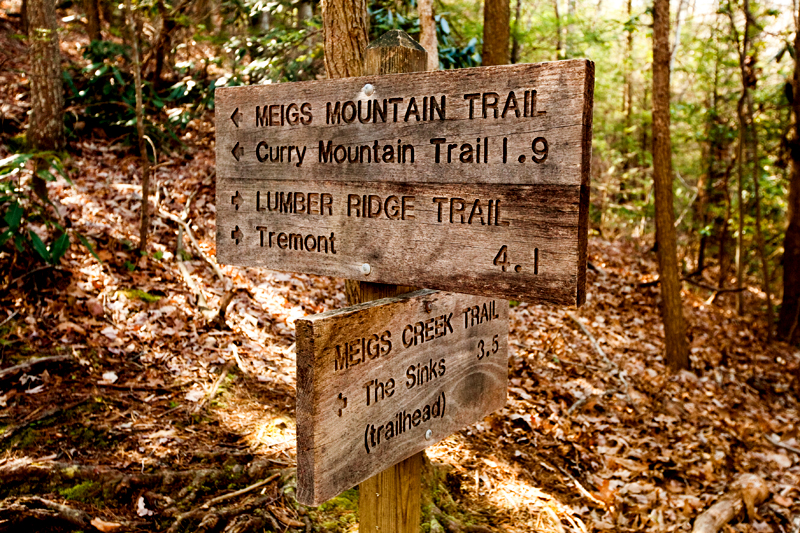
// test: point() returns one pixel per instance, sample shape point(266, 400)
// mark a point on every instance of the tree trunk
point(790, 308)
point(92, 20)
point(515, 35)
point(627, 98)
point(144, 224)
point(559, 34)
point(164, 42)
point(346, 25)
point(427, 34)
point(496, 32)
point(677, 352)
point(305, 11)
point(46, 129)
point(46, 126)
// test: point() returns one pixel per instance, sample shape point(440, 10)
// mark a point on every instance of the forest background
point(141, 380)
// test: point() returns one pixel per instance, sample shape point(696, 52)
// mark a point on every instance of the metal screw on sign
point(366, 269)
point(428, 434)
point(368, 89)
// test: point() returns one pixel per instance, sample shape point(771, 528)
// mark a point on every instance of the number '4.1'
point(502, 260)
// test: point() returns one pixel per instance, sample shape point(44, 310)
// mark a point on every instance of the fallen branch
point(27, 365)
point(16, 511)
point(583, 491)
point(214, 388)
point(240, 492)
point(779, 444)
point(13, 430)
point(747, 492)
point(187, 228)
point(608, 361)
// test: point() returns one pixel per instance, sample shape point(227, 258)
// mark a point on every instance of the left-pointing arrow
point(236, 117)
point(238, 151)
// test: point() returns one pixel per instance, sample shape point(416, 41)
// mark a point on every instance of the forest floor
point(157, 392)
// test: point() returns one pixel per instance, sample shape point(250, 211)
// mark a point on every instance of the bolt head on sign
point(471, 180)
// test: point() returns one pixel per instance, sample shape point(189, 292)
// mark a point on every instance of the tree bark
point(790, 308)
point(677, 352)
point(92, 20)
point(559, 34)
point(515, 34)
point(345, 25)
point(46, 128)
point(496, 32)
point(144, 224)
point(427, 34)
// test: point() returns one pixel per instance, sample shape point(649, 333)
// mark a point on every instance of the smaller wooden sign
point(381, 381)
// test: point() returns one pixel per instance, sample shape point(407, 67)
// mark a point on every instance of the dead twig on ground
point(747, 492)
point(779, 444)
point(13, 430)
point(608, 361)
point(27, 365)
point(213, 392)
point(240, 492)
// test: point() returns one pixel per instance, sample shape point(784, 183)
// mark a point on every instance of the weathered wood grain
point(559, 117)
point(544, 200)
point(542, 236)
point(337, 442)
point(391, 499)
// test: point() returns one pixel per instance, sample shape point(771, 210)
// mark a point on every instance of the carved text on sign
point(381, 381)
point(473, 180)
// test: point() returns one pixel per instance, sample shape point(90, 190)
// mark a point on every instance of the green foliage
point(103, 98)
point(22, 211)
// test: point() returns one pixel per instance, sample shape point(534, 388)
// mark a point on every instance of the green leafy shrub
point(21, 209)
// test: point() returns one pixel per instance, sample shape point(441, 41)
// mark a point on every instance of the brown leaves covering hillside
point(153, 381)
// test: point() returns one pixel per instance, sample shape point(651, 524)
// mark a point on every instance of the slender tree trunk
point(515, 34)
point(427, 37)
point(677, 352)
point(92, 9)
point(569, 30)
point(346, 26)
point(496, 32)
point(757, 199)
point(741, 207)
point(305, 11)
point(705, 185)
point(164, 42)
point(724, 258)
point(790, 308)
point(46, 126)
point(144, 225)
point(559, 34)
point(677, 43)
point(627, 98)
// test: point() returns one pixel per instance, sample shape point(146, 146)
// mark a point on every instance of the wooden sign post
point(474, 181)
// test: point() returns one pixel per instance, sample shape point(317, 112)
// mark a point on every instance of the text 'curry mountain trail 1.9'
point(473, 180)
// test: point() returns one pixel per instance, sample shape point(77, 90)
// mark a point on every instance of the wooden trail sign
point(381, 381)
point(473, 180)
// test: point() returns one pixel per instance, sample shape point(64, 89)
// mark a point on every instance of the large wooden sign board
point(381, 381)
point(473, 180)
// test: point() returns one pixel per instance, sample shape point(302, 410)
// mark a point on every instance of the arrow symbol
point(342, 399)
point(237, 234)
point(236, 117)
point(237, 200)
point(238, 151)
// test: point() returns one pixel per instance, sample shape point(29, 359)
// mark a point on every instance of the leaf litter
point(596, 434)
